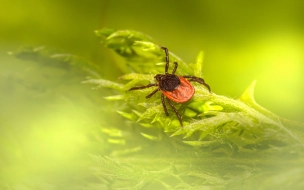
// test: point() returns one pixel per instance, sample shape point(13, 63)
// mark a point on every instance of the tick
point(173, 87)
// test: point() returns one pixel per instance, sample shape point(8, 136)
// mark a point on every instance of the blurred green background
point(47, 116)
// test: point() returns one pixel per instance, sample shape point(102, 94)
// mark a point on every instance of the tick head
point(159, 77)
point(167, 82)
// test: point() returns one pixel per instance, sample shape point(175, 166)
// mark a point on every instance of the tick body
point(182, 93)
point(173, 87)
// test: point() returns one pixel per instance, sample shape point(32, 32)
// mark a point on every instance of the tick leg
point(167, 59)
point(199, 80)
point(142, 87)
point(176, 112)
point(164, 105)
point(152, 93)
point(175, 67)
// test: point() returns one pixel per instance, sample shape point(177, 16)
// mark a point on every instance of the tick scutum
point(168, 82)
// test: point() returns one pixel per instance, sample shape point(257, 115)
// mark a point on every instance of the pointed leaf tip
point(178, 132)
point(150, 137)
point(199, 64)
point(248, 95)
point(125, 115)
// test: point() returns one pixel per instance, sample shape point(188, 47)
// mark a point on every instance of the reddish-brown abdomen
point(182, 93)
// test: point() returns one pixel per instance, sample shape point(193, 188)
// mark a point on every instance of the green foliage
point(212, 116)
point(225, 143)
point(51, 57)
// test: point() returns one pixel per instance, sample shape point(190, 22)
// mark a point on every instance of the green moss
point(225, 143)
